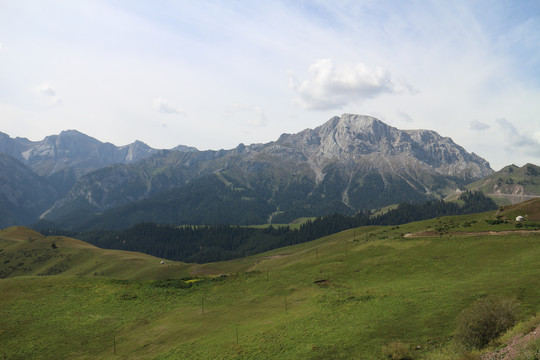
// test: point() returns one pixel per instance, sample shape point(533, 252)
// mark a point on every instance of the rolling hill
point(344, 296)
point(25, 252)
point(511, 184)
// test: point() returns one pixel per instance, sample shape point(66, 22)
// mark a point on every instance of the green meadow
point(344, 296)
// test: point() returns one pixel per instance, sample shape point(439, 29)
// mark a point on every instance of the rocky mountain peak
point(350, 162)
point(71, 150)
point(358, 124)
point(184, 148)
point(355, 134)
point(72, 132)
point(362, 123)
point(350, 138)
point(133, 152)
point(135, 145)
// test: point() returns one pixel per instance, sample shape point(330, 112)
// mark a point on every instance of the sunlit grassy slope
point(511, 184)
point(339, 297)
point(529, 209)
point(26, 252)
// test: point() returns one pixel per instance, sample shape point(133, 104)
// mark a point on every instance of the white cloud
point(478, 125)
point(49, 93)
point(163, 106)
point(108, 61)
point(45, 89)
point(259, 118)
point(406, 117)
point(55, 101)
point(518, 139)
point(251, 115)
point(332, 86)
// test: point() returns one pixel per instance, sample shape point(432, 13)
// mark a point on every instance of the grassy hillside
point(25, 252)
point(530, 210)
point(344, 296)
point(511, 184)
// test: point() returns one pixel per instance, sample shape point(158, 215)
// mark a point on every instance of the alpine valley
point(139, 253)
point(349, 163)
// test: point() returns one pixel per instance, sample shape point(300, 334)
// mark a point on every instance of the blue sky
point(213, 74)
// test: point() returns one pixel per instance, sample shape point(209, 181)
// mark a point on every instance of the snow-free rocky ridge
point(349, 163)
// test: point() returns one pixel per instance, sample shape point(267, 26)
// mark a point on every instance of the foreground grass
point(340, 297)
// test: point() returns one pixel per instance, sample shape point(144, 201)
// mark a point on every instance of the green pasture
point(25, 252)
point(344, 296)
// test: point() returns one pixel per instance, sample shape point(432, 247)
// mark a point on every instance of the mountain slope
point(349, 163)
point(529, 209)
point(58, 160)
point(23, 194)
point(351, 137)
point(71, 150)
point(511, 184)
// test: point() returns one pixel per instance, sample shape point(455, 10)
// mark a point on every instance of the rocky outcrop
point(349, 163)
point(71, 150)
point(353, 137)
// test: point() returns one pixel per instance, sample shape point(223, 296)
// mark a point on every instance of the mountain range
point(510, 185)
point(349, 163)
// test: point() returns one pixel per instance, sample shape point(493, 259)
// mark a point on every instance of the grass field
point(26, 252)
point(340, 297)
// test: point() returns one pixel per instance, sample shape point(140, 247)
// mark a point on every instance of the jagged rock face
point(349, 163)
point(352, 137)
point(71, 149)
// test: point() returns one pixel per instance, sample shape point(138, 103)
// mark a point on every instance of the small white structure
point(520, 218)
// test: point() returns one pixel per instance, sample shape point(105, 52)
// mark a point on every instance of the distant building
point(520, 218)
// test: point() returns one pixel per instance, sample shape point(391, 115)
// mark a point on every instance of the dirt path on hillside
point(474, 233)
point(517, 344)
point(514, 198)
point(503, 232)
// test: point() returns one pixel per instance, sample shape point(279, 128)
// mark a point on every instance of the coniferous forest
point(211, 243)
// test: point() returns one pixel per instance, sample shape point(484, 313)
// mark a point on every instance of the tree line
point(210, 243)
